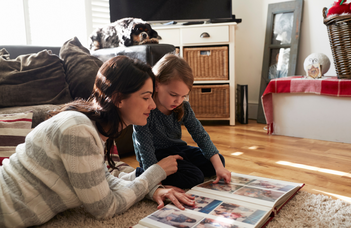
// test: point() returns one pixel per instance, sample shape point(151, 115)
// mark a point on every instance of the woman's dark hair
point(116, 80)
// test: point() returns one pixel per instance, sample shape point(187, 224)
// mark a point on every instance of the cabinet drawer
point(169, 36)
point(210, 101)
point(216, 34)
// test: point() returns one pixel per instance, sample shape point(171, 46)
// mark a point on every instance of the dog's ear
point(153, 34)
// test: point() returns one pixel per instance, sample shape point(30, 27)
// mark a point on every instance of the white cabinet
point(206, 35)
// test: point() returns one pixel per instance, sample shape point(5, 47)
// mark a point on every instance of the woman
point(61, 164)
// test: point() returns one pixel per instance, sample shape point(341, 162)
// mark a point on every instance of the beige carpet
point(304, 210)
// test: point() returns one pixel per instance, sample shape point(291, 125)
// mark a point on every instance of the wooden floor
point(324, 167)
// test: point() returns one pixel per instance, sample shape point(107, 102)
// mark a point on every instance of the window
point(100, 12)
point(51, 22)
point(12, 24)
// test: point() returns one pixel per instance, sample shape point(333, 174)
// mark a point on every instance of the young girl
point(61, 164)
point(161, 136)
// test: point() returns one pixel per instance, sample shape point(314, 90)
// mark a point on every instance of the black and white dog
point(124, 32)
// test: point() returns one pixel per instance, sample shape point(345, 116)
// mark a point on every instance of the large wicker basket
point(208, 63)
point(339, 32)
point(210, 101)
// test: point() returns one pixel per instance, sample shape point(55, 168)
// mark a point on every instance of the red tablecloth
point(330, 86)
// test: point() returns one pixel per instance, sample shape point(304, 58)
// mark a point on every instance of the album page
point(252, 189)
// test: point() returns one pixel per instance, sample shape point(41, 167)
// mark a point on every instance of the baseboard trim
point(253, 111)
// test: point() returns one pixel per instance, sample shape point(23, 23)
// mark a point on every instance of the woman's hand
point(169, 164)
point(173, 195)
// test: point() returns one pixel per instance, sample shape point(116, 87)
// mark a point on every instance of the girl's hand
point(175, 196)
point(169, 164)
point(223, 173)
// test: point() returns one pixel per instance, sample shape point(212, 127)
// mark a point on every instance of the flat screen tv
point(161, 11)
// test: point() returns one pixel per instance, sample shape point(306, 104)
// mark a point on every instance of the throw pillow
point(13, 130)
point(81, 68)
point(121, 166)
point(4, 54)
point(33, 79)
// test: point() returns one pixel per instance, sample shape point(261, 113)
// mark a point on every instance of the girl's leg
point(187, 176)
point(197, 158)
point(139, 170)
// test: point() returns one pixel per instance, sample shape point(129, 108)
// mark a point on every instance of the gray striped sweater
point(61, 166)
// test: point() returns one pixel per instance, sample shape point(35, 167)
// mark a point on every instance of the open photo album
point(247, 201)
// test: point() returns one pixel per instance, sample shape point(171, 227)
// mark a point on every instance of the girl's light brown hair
point(173, 67)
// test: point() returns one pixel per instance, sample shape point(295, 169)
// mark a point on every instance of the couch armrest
point(16, 50)
point(148, 53)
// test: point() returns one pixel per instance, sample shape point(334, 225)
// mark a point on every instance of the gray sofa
point(15, 96)
point(39, 79)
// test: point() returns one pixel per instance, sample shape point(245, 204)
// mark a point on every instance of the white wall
point(250, 37)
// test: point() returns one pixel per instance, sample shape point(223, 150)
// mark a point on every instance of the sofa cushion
point(40, 112)
point(81, 68)
point(13, 130)
point(32, 79)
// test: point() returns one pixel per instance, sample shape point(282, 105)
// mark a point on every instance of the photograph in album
point(238, 212)
point(253, 189)
point(257, 193)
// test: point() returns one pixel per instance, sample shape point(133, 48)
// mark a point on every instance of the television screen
point(171, 10)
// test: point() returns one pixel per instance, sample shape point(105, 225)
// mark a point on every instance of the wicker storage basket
point(339, 32)
point(210, 101)
point(208, 63)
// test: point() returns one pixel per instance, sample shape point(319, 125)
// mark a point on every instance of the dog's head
point(141, 33)
point(134, 31)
